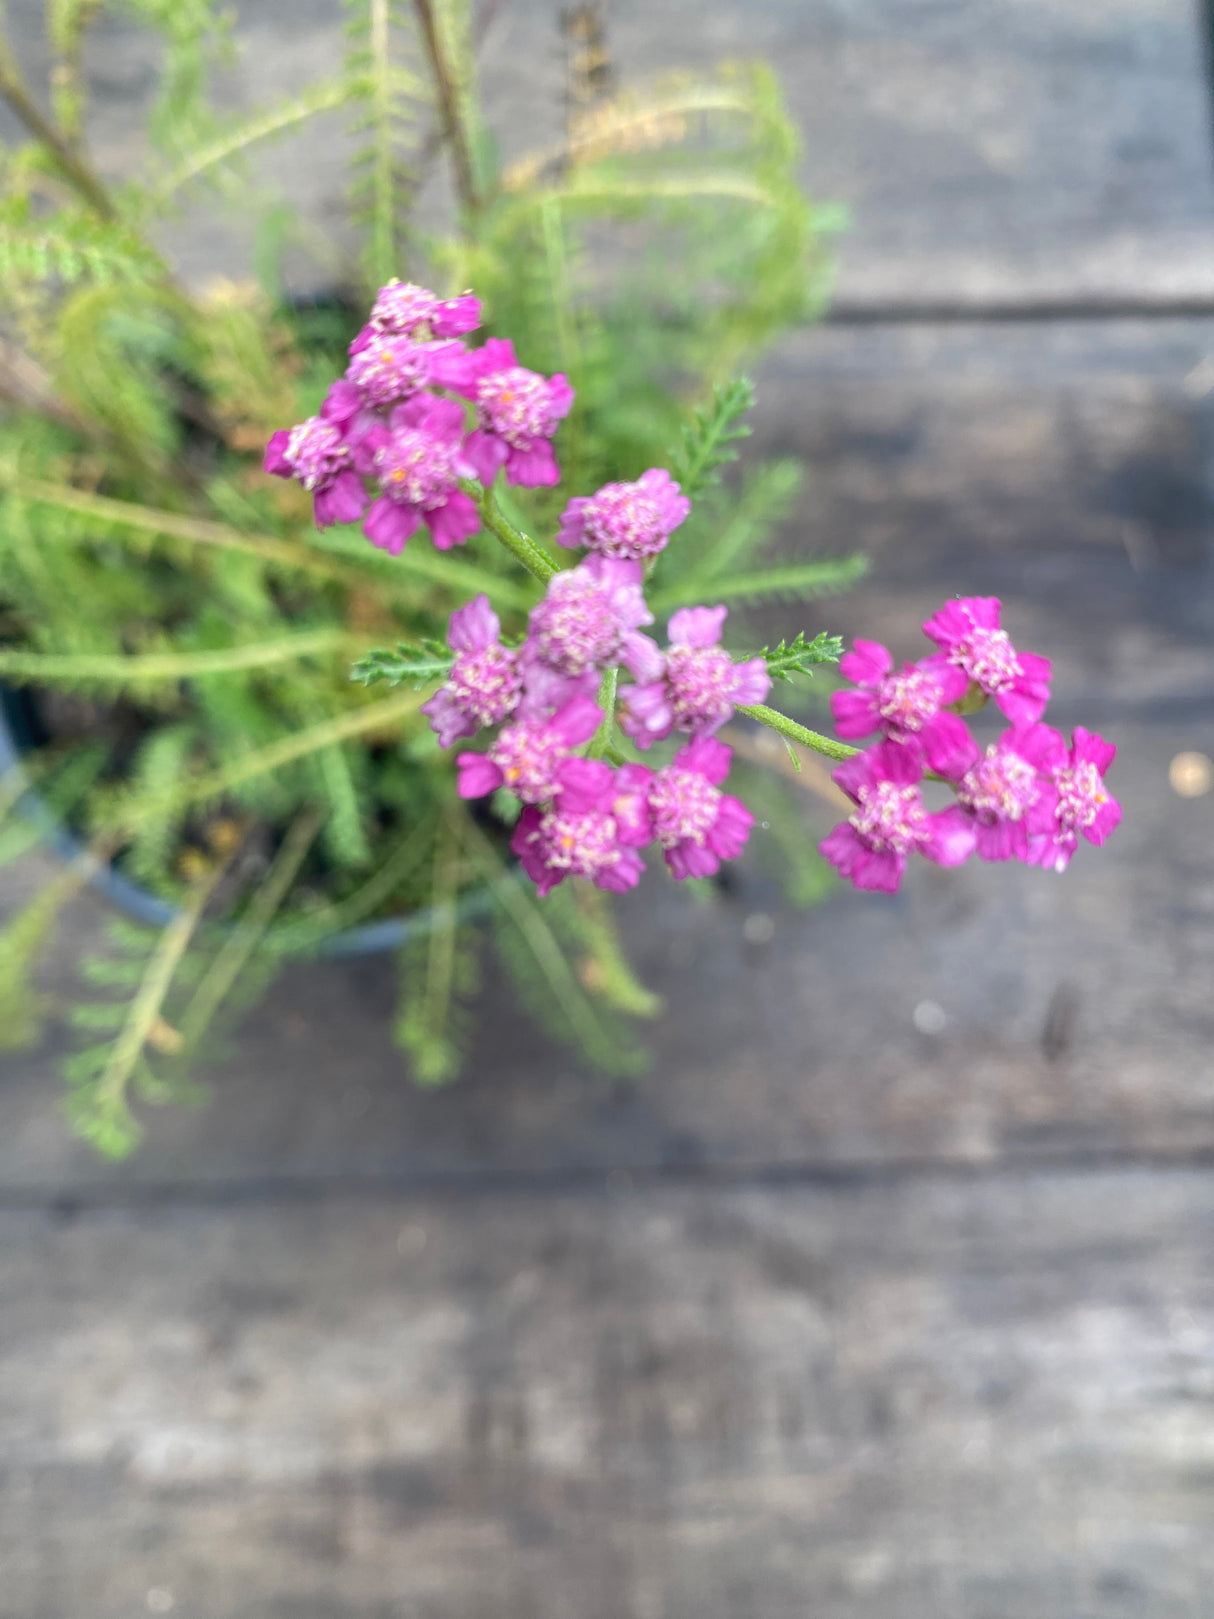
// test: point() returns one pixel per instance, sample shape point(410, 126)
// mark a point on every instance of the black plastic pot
point(368, 939)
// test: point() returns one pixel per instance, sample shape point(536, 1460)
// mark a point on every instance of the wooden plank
point(1050, 151)
point(932, 1398)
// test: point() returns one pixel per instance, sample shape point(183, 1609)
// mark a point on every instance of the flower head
point(485, 682)
point(517, 413)
point(413, 311)
point(696, 823)
point(589, 619)
point(626, 519)
point(890, 821)
point(968, 633)
point(317, 454)
point(599, 820)
point(1084, 804)
point(527, 756)
point(418, 464)
point(907, 705)
point(700, 684)
point(390, 367)
point(1005, 796)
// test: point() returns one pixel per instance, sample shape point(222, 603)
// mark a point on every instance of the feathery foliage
point(175, 635)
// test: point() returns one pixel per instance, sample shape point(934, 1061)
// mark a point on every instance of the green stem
point(448, 102)
point(520, 546)
point(603, 742)
point(616, 981)
point(70, 164)
point(797, 733)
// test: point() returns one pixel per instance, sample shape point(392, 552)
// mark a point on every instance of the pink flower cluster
point(1026, 796)
point(582, 816)
point(389, 449)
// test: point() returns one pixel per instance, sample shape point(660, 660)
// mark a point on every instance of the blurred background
point(889, 1290)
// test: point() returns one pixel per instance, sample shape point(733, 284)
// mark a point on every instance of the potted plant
point(178, 635)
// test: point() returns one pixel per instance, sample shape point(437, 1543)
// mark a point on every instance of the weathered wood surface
point(1062, 467)
point(1050, 151)
point(930, 1398)
point(820, 1317)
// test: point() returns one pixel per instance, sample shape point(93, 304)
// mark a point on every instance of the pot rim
point(368, 938)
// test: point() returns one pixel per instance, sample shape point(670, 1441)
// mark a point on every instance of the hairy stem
point(448, 100)
point(772, 717)
point(520, 546)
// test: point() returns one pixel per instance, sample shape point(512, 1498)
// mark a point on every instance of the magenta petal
point(389, 526)
point(646, 715)
point(572, 531)
point(535, 468)
point(1107, 820)
point(486, 453)
point(577, 721)
point(852, 858)
point(751, 681)
point(1005, 840)
point(584, 784)
point(474, 626)
point(478, 775)
point(454, 522)
point(455, 317)
point(642, 658)
point(866, 663)
point(343, 401)
point(1093, 749)
point(448, 720)
point(275, 457)
point(949, 747)
point(952, 837)
point(623, 875)
point(691, 860)
point(855, 713)
point(894, 762)
point(697, 626)
point(344, 501)
point(727, 837)
point(1041, 745)
point(707, 757)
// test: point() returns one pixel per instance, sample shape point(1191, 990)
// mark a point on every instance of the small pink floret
point(626, 519)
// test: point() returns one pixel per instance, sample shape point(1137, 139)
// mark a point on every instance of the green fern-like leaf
point(801, 657)
point(709, 438)
point(418, 664)
point(794, 581)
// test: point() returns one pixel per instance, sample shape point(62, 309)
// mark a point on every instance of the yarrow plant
point(564, 717)
point(573, 707)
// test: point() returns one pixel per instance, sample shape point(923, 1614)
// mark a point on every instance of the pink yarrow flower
point(517, 413)
point(418, 463)
point(968, 633)
point(890, 821)
point(527, 756)
point(401, 307)
point(906, 704)
point(318, 454)
point(1084, 804)
point(697, 824)
point(1005, 796)
point(485, 682)
point(590, 618)
point(600, 819)
point(700, 685)
point(626, 519)
point(388, 367)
